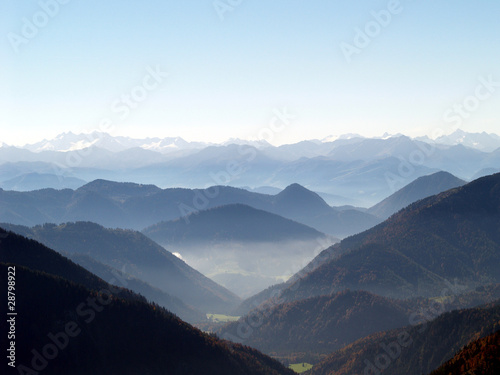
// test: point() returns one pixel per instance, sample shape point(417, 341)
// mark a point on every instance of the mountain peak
point(295, 186)
point(298, 191)
point(302, 199)
point(420, 188)
point(479, 141)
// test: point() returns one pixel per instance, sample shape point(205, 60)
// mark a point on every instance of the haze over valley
point(233, 187)
point(294, 277)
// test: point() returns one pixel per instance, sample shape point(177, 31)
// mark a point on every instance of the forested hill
point(481, 356)
point(97, 335)
point(141, 257)
point(453, 235)
point(415, 349)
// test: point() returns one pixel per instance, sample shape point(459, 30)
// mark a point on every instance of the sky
point(281, 70)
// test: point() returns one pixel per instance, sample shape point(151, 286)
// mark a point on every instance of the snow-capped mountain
point(170, 144)
point(479, 141)
point(72, 142)
point(333, 138)
point(358, 170)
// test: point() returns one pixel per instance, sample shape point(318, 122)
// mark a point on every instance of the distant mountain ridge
point(481, 141)
point(70, 141)
point(32, 181)
point(339, 166)
point(137, 206)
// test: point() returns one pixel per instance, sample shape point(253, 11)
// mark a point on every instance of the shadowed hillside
point(138, 256)
point(421, 188)
point(99, 334)
point(413, 350)
point(318, 325)
point(481, 356)
point(453, 235)
point(235, 222)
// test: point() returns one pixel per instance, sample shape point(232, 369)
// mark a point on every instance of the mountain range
point(407, 284)
point(339, 168)
point(221, 238)
point(137, 206)
point(72, 142)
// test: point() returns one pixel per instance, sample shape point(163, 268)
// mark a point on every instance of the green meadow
point(300, 367)
point(220, 318)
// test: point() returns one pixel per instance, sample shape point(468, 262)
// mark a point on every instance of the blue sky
point(228, 73)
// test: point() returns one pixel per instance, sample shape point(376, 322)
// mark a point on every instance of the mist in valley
point(246, 268)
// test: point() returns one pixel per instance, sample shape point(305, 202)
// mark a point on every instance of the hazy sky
point(84, 65)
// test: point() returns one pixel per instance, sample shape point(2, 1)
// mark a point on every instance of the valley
point(281, 280)
point(231, 187)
